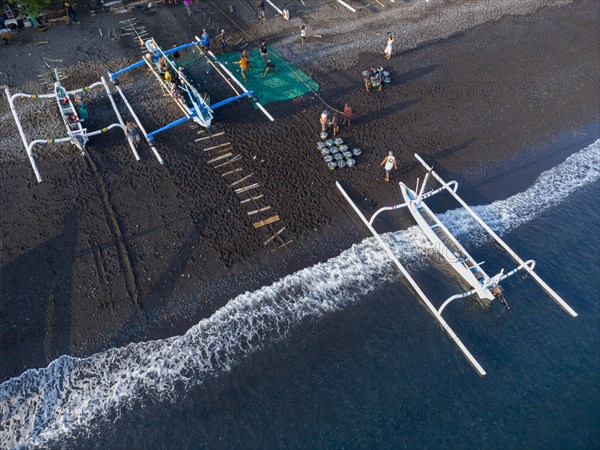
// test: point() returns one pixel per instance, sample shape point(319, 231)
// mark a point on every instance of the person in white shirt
point(390, 163)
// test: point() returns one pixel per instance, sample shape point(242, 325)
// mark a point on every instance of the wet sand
point(108, 250)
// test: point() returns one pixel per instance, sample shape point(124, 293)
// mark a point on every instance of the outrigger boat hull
point(441, 239)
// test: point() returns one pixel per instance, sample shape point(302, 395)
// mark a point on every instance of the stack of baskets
point(336, 154)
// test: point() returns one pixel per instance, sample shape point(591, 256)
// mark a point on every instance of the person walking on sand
point(188, 7)
point(347, 115)
point(390, 163)
point(71, 13)
point(388, 48)
point(264, 53)
point(261, 9)
point(302, 34)
point(243, 66)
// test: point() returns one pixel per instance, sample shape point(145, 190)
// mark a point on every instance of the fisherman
point(264, 52)
point(223, 41)
point(324, 121)
point(270, 66)
point(175, 53)
point(71, 13)
point(5, 37)
point(334, 122)
point(162, 64)
point(132, 132)
point(347, 114)
point(188, 7)
point(261, 9)
point(176, 93)
point(168, 76)
point(390, 163)
point(205, 40)
point(247, 58)
point(243, 66)
point(84, 113)
point(388, 48)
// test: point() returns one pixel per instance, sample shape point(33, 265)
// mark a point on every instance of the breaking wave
point(68, 396)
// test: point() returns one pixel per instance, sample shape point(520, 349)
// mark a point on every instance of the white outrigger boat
point(76, 134)
point(486, 287)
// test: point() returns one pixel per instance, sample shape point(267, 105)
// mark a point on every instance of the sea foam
point(68, 396)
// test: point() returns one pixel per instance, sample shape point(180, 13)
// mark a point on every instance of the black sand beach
point(108, 250)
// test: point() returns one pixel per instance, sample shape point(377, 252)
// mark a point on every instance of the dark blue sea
point(343, 355)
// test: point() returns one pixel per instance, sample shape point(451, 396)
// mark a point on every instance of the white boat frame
point(76, 134)
point(453, 252)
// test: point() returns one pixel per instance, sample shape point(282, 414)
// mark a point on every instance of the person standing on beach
point(247, 58)
point(243, 65)
point(222, 41)
point(388, 48)
point(390, 163)
point(324, 121)
point(188, 7)
point(302, 34)
point(261, 9)
point(347, 115)
point(71, 13)
point(264, 53)
point(335, 122)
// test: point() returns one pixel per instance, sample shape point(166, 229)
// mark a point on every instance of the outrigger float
point(195, 106)
point(76, 134)
point(487, 288)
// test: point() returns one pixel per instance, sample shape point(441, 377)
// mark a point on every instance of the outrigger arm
point(501, 242)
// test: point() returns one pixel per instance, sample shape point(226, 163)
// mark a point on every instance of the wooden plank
point(267, 221)
point(252, 198)
point(236, 158)
point(274, 236)
point(220, 152)
point(226, 155)
point(241, 180)
point(247, 188)
point(215, 146)
point(211, 136)
point(236, 170)
point(256, 211)
point(286, 243)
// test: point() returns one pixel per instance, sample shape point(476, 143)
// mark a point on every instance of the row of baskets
point(336, 154)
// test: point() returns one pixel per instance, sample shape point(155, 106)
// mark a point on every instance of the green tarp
point(285, 83)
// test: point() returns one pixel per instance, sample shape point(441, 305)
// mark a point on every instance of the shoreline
point(67, 240)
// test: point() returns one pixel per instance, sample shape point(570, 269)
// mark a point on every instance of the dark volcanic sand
point(108, 250)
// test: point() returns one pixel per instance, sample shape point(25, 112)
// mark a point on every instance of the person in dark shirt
point(269, 66)
point(264, 52)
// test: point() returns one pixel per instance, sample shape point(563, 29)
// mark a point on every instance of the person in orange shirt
point(243, 65)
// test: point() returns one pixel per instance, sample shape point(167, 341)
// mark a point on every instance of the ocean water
point(341, 354)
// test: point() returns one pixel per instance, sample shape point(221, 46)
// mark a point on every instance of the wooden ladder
point(8, 12)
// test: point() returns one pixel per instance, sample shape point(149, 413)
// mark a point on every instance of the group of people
point(374, 78)
point(245, 65)
point(332, 120)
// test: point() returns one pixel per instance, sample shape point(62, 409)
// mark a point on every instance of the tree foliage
point(30, 7)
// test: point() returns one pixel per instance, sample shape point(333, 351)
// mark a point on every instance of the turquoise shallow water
point(342, 355)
